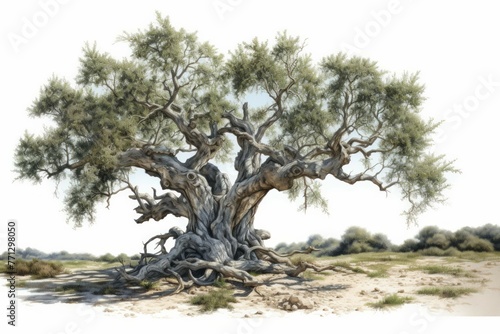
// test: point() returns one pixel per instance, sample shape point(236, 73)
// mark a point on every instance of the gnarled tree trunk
point(220, 238)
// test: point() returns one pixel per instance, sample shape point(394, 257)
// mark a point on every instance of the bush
point(380, 242)
point(135, 257)
point(22, 268)
point(358, 240)
point(122, 258)
point(452, 251)
point(439, 240)
point(39, 268)
point(358, 247)
point(149, 285)
point(409, 245)
point(106, 258)
point(391, 300)
point(220, 298)
point(432, 251)
point(427, 233)
point(355, 233)
point(477, 245)
point(491, 233)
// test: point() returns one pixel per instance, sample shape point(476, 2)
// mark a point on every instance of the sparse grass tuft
point(148, 285)
point(220, 298)
point(446, 292)
point(379, 273)
point(392, 257)
point(348, 266)
point(478, 256)
point(439, 269)
point(220, 283)
point(316, 276)
point(298, 258)
point(391, 300)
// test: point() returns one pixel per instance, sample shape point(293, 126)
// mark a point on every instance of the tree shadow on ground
point(98, 287)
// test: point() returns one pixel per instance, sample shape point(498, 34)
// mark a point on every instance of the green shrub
point(378, 273)
point(220, 298)
point(439, 240)
point(358, 247)
point(432, 251)
point(476, 244)
point(409, 245)
point(391, 300)
point(452, 251)
point(107, 258)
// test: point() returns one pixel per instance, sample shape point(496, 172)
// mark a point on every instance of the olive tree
point(180, 111)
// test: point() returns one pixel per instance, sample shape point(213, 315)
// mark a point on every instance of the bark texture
point(220, 239)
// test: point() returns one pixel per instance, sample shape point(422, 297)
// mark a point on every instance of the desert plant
point(391, 300)
point(348, 266)
point(315, 276)
point(446, 292)
point(213, 300)
point(378, 273)
point(439, 269)
point(150, 285)
point(432, 251)
point(38, 268)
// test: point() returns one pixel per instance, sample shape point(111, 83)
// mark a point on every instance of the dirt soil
point(317, 293)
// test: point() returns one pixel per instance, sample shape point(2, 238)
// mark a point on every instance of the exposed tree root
point(194, 271)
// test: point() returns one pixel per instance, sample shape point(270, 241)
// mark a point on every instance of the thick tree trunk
point(220, 238)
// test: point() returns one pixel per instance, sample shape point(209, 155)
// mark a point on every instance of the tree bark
point(220, 238)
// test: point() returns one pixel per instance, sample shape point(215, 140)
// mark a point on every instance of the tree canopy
point(176, 107)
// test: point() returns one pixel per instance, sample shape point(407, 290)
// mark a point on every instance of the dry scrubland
point(467, 283)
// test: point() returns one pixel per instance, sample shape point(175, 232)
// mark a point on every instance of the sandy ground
point(344, 297)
